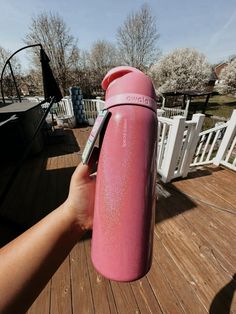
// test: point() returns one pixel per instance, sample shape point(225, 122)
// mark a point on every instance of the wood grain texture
point(103, 298)
point(61, 290)
point(193, 269)
point(42, 303)
point(82, 299)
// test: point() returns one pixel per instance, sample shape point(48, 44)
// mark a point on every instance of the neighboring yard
point(218, 105)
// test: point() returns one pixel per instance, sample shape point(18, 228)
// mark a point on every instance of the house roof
point(219, 68)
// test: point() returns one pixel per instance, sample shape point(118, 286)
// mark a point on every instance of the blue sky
point(207, 25)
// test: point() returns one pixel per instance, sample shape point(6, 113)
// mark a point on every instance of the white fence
point(170, 112)
point(181, 145)
point(63, 109)
point(218, 145)
point(92, 107)
point(176, 145)
point(208, 145)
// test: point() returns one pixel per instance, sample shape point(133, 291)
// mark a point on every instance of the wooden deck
point(194, 260)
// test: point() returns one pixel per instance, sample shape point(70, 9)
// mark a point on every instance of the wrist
point(75, 229)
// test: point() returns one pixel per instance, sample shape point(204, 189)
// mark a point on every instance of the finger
point(83, 171)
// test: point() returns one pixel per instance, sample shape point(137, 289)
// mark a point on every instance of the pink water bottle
point(124, 211)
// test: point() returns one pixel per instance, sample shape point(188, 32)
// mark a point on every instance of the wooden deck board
point(145, 297)
point(202, 224)
point(183, 290)
point(204, 275)
point(124, 298)
point(61, 290)
point(82, 299)
point(194, 242)
point(42, 304)
point(164, 293)
point(103, 299)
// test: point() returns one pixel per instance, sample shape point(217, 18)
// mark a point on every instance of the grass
point(218, 105)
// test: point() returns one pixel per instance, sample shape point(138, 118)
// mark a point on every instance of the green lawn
point(218, 105)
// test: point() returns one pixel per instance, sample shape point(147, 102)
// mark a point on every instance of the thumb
point(83, 171)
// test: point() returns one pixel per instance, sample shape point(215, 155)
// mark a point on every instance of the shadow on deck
point(193, 257)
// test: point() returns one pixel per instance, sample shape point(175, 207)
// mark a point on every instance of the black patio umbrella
point(50, 86)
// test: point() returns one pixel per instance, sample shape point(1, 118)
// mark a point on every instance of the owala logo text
point(139, 100)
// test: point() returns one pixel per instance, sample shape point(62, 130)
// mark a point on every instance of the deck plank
point(124, 298)
point(164, 293)
point(34, 198)
point(60, 296)
point(214, 206)
point(219, 184)
point(42, 304)
point(82, 300)
point(183, 290)
point(61, 290)
point(103, 298)
point(145, 297)
point(10, 207)
point(193, 257)
point(205, 276)
point(204, 223)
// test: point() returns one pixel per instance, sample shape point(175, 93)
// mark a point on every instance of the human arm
point(28, 262)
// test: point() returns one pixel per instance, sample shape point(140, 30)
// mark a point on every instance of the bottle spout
point(115, 73)
point(127, 85)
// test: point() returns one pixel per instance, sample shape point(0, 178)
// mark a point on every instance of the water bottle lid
point(127, 85)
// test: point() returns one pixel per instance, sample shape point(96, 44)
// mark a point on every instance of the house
point(217, 70)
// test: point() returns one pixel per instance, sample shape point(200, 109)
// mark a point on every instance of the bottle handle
point(117, 72)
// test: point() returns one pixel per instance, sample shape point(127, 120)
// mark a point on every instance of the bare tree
point(33, 81)
point(3, 57)
point(82, 76)
point(8, 85)
point(50, 30)
point(137, 39)
point(102, 57)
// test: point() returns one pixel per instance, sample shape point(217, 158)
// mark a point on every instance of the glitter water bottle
point(125, 190)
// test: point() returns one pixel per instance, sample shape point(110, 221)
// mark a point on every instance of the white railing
point(226, 154)
point(92, 107)
point(217, 145)
point(208, 145)
point(63, 113)
point(229, 160)
point(63, 109)
point(170, 112)
point(181, 145)
point(176, 145)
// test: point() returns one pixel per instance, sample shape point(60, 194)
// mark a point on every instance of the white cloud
point(217, 37)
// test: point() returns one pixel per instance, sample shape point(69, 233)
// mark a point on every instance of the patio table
point(16, 134)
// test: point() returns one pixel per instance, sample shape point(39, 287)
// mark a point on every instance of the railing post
point(174, 144)
point(193, 141)
point(186, 108)
point(160, 112)
point(163, 102)
point(228, 137)
point(99, 104)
